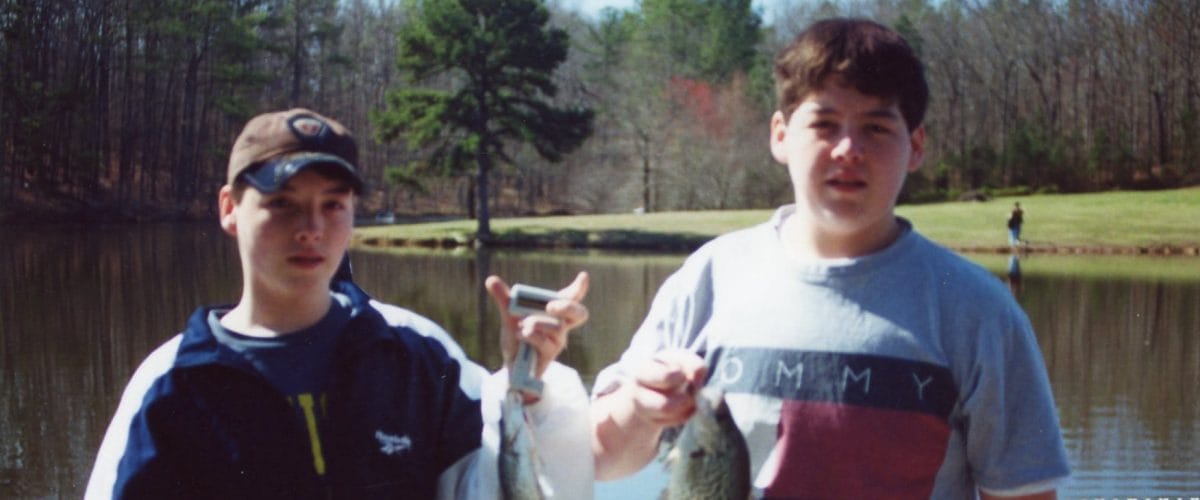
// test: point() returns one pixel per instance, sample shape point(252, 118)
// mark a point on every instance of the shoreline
point(1150, 251)
point(684, 243)
point(1118, 223)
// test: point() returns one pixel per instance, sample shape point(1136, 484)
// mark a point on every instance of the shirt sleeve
point(129, 460)
point(1014, 442)
point(678, 313)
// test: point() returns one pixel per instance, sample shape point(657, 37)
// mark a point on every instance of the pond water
point(81, 306)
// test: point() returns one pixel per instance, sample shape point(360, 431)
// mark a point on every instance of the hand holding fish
point(627, 422)
point(545, 332)
point(663, 390)
point(534, 326)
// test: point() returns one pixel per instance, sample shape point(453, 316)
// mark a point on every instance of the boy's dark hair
point(859, 53)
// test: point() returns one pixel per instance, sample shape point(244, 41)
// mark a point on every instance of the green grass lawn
point(1113, 219)
point(1120, 219)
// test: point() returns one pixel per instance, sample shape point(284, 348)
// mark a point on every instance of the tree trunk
point(297, 56)
point(185, 158)
point(483, 231)
point(128, 126)
point(483, 161)
point(644, 142)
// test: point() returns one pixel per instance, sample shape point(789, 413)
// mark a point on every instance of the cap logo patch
point(307, 128)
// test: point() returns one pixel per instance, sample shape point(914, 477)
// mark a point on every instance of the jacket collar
point(200, 347)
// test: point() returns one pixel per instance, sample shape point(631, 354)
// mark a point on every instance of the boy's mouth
point(846, 184)
point(306, 260)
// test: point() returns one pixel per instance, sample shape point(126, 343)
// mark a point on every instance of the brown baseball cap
point(273, 147)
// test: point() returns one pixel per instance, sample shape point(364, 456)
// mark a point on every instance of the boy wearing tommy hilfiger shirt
point(858, 358)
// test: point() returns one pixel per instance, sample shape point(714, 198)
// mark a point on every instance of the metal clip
point(522, 376)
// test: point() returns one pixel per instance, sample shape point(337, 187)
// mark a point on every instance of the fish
point(518, 462)
point(710, 459)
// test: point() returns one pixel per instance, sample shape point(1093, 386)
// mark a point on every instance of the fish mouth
point(711, 395)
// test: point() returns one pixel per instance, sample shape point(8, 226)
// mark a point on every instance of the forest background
point(126, 109)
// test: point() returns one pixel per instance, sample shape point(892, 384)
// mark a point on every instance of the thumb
point(578, 288)
point(499, 291)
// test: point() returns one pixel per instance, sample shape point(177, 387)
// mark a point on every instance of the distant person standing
point(1015, 219)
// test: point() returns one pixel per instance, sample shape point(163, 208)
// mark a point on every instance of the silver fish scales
point(518, 458)
point(710, 460)
point(518, 462)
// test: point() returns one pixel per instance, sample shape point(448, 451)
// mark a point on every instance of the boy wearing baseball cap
point(306, 387)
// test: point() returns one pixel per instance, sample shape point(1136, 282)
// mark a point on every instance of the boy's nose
point(310, 227)
point(848, 149)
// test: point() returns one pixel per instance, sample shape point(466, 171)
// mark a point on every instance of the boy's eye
point(278, 203)
point(823, 125)
point(876, 128)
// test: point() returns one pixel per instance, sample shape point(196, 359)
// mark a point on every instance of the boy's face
point(847, 154)
point(291, 241)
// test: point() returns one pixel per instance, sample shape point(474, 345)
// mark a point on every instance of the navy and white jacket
point(197, 421)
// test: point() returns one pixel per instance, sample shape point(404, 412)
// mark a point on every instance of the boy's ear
point(225, 205)
point(917, 140)
point(778, 134)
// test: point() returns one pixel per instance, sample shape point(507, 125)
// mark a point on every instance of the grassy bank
point(1116, 222)
point(1113, 220)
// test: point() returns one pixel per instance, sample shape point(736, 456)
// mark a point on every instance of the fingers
point(546, 335)
point(499, 291)
point(663, 389)
point(578, 288)
point(672, 370)
point(663, 410)
point(570, 309)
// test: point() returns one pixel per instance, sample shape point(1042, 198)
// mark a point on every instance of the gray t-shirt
point(908, 373)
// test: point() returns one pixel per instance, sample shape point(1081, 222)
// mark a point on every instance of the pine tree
point(481, 75)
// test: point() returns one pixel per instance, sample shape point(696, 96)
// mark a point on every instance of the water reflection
point(1014, 274)
point(1125, 363)
point(447, 288)
point(80, 307)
